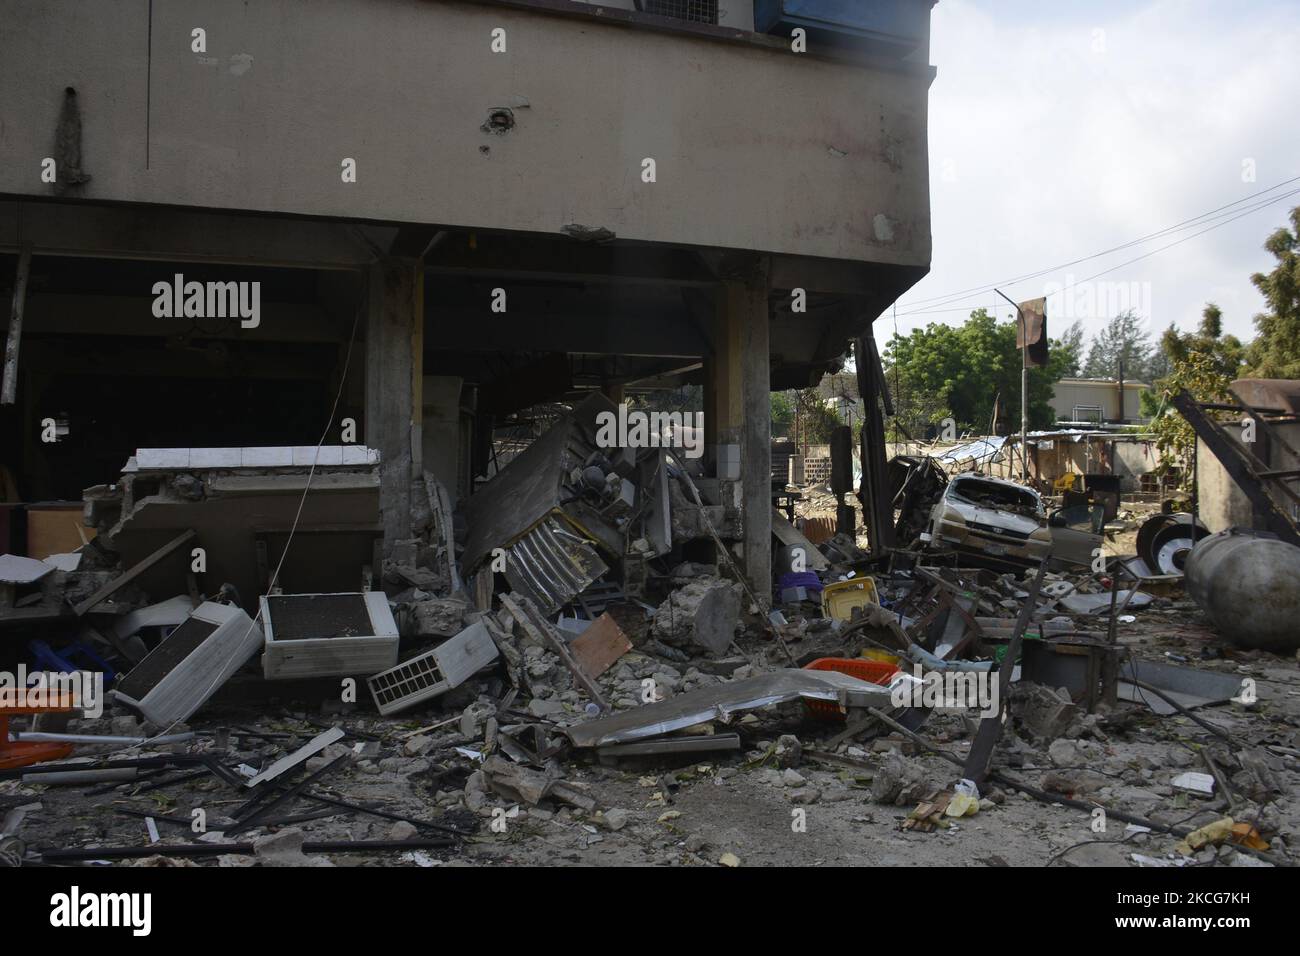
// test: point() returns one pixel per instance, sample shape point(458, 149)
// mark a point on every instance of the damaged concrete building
point(445, 244)
point(330, 328)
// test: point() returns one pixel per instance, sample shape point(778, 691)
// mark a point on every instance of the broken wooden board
point(600, 645)
point(137, 569)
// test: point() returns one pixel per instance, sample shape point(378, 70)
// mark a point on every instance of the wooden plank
point(119, 582)
point(540, 631)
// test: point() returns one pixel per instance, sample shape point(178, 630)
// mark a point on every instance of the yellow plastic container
point(839, 599)
point(884, 657)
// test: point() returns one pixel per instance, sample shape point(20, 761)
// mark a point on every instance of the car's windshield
point(992, 494)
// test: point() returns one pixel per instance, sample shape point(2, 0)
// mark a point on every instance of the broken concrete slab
point(704, 611)
point(899, 781)
point(438, 617)
point(792, 537)
point(17, 570)
point(523, 784)
point(1043, 712)
point(285, 848)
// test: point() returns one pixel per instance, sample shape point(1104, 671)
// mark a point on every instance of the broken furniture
point(74, 656)
point(1075, 663)
point(434, 672)
point(190, 665)
point(327, 635)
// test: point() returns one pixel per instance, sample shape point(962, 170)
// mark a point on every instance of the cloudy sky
point(1059, 130)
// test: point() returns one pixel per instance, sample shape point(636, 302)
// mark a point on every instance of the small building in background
point(1096, 401)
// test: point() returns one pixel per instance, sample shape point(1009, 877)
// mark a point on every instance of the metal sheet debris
point(1190, 686)
point(721, 702)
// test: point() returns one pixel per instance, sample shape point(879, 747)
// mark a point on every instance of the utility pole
point(1121, 391)
point(1024, 388)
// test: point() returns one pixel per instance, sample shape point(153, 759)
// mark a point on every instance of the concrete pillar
point(442, 444)
point(738, 400)
point(394, 383)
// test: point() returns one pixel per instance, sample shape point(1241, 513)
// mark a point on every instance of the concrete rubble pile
point(571, 667)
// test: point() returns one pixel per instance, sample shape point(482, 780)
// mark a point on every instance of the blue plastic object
point(74, 657)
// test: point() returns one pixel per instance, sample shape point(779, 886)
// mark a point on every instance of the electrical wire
point(1159, 233)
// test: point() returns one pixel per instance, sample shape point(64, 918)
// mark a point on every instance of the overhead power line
point(1225, 214)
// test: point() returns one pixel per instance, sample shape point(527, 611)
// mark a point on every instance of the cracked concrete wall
point(756, 147)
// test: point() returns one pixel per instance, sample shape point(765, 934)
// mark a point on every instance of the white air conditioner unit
point(178, 676)
point(327, 635)
point(434, 672)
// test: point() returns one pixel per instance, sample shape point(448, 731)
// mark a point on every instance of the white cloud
point(1056, 135)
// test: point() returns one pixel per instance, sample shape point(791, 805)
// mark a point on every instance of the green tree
point(1071, 348)
point(1275, 353)
point(961, 371)
point(782, 414)
point(1204, 362)
point(1124, 339)
point(814, 418)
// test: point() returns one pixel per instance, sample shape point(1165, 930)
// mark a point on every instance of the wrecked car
point(990, 518)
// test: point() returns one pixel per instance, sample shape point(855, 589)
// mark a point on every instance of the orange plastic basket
point(877, 672)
